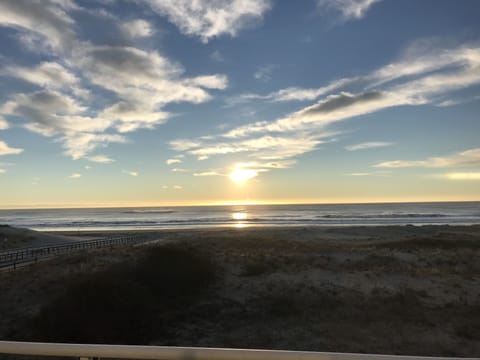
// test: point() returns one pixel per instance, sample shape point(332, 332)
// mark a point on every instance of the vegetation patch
point(128, 303)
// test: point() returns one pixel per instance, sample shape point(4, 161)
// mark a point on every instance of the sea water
point(453, 213)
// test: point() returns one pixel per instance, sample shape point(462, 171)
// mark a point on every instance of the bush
point(129, 303)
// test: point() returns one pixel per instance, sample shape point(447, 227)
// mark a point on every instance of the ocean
point(452, 213)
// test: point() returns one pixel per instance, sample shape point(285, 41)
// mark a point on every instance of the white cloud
point(78, 145)
point(131, 173)
point(265, 147)
point(177, 187)
point(138, 28)
point(46, 74)
point(207, 173)
point(463, 176)
point(209, 19)
point(469, 157)
point(173, 161)
point(2, 171)
point(368, 145)
point(349, 9)
point(179, 170)
point(46, 21)
point(3, 124)
point(416, 79)
point(7, 150)
point(75, 176)
point(101, 159)
point(144, 82)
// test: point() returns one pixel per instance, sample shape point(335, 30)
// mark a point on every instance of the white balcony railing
point(84, 351)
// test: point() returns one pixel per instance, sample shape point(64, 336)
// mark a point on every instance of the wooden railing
point(14, 258)
point(86, 352)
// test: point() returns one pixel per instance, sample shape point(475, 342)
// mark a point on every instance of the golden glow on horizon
point(240, 176)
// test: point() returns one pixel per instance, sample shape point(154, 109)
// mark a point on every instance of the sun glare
point(239, 176)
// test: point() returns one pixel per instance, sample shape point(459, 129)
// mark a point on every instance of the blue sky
point(129, 102)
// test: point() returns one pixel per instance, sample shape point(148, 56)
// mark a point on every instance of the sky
point(176, 102)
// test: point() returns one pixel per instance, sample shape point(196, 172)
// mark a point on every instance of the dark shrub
point(128, 303)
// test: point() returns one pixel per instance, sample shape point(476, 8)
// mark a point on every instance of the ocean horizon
point(171, 217)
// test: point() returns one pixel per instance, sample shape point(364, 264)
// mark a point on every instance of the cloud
point(75, 176)
point(372, 173)
point(326, 111)
point(469, 157)
point(138, 28)
point(179, 170)
point(264, 147)
point(416, 79)
point(138, 82)
point(264, 73)
point(7, 150)
point(349, 9)
point(144, 82)
point(217, 56)
point(368, 145)
point(2, 171)
point(46, 21)
point(463, 176)
point(207, 173)
point(46, 74)
point(102, 159)
point(177, 187)
point(131, 173)
point(173, 161)
point(3, 124)
point(78, 145)
point(209, 19)
point(51, 113)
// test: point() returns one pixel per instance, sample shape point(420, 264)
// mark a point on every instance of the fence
point(12, 259)
point(86, 352)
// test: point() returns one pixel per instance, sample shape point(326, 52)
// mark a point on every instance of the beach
point(411, 290)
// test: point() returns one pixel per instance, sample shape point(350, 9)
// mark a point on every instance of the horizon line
point(227, 203)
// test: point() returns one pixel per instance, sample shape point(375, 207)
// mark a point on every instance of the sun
point(240, 176)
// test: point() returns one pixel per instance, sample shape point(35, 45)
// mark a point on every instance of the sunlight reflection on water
point(239, 218)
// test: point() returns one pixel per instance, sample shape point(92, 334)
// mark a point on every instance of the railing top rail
point(185, 353)
point(65, 244)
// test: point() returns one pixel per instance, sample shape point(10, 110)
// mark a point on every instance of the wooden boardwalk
point(14, 258)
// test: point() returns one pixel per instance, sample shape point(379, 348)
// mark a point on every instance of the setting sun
point(239, 176)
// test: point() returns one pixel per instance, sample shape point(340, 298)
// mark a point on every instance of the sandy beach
point(411, 290)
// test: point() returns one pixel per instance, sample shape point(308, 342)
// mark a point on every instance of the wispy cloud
point(463, 176)
point(207, 19)
point(217, 56)
point(75, 176)
point(139, 82)
point(138, 28)
point(131, 173)
point(177, 187)
point(264, 73)
point(207, 173)
point(349, 9)
point(469, 157)
point(7, 150)
point(173, 161)
point(368, 145)
point(2, 171)
point(48, 24)
point(416, 79)
point(101, 159)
